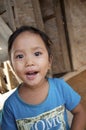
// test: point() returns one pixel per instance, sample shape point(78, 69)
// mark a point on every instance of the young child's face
point(30, 58)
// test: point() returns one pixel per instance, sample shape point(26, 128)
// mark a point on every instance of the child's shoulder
point(56, 80)
point(9, 96)
point(60, 83)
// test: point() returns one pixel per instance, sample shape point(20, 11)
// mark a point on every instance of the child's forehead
point(28, 36)
point(29, 40)
point(28, 33)
point(29, 46)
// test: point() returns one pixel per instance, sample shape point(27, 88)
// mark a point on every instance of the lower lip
point(31, 77)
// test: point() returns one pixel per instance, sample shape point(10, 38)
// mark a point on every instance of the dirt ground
point(78, 83)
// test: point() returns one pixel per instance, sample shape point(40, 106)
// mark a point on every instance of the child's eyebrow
point(33, 49)
point(38, 48)
point(17, 51)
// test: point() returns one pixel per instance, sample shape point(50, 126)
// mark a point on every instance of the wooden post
point(38, 15)
point(10, 13)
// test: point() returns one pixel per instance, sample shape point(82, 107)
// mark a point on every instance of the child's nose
point(29, 61)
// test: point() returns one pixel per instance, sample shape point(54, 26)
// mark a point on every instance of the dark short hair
point(31, 29)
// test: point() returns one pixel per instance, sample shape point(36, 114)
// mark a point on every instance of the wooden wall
point(63, 20)
point(76, 25)
point(5, 32)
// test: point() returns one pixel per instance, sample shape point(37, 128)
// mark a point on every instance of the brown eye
point(19, 56)
point(38, 53)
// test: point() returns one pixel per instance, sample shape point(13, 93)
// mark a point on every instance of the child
point(39, 103)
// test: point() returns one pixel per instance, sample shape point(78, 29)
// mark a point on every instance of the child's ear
point(50, 62)
point(49, 73)
point(51, 59)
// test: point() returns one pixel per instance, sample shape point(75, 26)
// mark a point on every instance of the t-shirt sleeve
point(8, 122)
point(72, 98)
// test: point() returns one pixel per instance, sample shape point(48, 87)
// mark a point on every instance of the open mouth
point(31, 73)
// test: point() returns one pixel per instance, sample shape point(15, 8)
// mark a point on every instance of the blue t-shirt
point(49, 115)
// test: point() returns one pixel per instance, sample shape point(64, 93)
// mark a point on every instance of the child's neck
point(34, 96)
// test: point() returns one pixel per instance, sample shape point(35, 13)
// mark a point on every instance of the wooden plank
point(28, 13)
point(6, 72)
point(3, 87)
point(62, 36)
point(74, 73)
point(78, 83)
point(76, 23)
point(10, 14)
point(11, 69)
point(2, 8)
point(38, 15)
point(12, 79)
point(5, 32)
point(55, 29)
point(24, 14)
